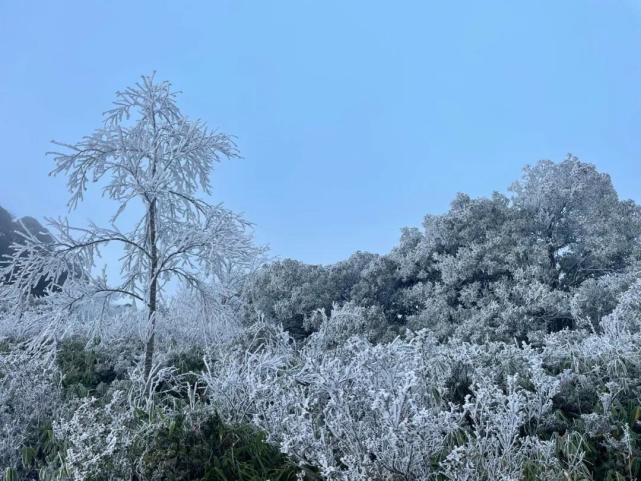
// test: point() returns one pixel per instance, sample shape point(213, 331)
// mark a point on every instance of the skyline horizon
point(352, 122)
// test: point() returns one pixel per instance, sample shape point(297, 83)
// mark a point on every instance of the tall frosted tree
point(151, 159)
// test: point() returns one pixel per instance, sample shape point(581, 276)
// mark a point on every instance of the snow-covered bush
point(416, 408)
point(342, 402)
point(30, 397)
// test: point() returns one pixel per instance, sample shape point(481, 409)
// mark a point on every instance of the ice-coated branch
point(149, 154)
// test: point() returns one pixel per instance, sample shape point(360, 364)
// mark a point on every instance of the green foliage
point(188, 361)
point(179, 448)
point(209, 450)
point(84, 371)
point(10, 474)
point(175, 446)
point(576, 397)
point(622, 459)
point(42, 454)
point(189, 364)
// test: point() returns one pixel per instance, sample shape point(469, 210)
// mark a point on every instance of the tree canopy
point(554, 252)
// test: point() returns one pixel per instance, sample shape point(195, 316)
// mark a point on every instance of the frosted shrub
point(414, 408)
point(417, 408)
point(240, 374)
point(98, 437)
point(356, 412)
point(627, 315)
point(29, 396)
point(365, 405)
point(495, 448)
point(344, 321)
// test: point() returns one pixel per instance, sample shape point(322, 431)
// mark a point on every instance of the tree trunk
point(153, 289)
point(153, 252)
point(554, 275)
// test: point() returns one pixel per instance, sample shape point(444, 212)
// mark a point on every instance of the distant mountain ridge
point(9, 228)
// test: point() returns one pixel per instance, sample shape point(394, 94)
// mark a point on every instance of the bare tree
point(146, 154)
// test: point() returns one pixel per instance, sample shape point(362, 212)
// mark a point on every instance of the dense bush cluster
point(337, 405)
point(80, 409)
point(418, 408)
point(556, 252)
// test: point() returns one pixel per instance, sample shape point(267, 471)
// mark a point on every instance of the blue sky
point(354, 118)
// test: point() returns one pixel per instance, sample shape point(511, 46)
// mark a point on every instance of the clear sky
point(354, 118)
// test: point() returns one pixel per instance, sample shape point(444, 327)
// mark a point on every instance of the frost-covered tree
point(289, 291)
point(286, 292)
point(554, 252)
point(570, 216)
point(151, 159)
point(550, 255)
